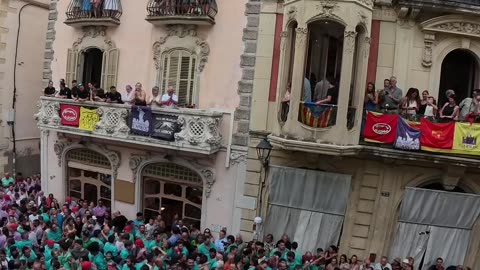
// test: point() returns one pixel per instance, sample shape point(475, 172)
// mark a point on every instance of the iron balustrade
point(94, 9)
point(186, 8)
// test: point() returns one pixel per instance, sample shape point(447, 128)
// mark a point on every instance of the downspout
point(11, 120)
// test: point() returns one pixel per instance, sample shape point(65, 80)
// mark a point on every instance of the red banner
point(70, 115)
point(437, 135)
point(380, 128)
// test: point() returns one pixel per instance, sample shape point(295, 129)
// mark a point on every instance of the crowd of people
point(390, 99)
point(92, 92)
point(39, 232)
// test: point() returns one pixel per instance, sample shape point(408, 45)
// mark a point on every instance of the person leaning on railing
point(449, 111)
point(49, 90)
point(410, 103)
point(113, 96)
point(82, 94)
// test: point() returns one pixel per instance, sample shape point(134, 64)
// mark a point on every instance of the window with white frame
point(179, 71)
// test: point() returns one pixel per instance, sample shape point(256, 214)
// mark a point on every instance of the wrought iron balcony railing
point(190, 130)
point(197, 12)
point(90, 13)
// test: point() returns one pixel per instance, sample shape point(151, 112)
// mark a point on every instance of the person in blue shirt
point(221, 242)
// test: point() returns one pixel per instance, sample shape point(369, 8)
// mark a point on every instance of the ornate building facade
point(198, 172)
point(358, 194)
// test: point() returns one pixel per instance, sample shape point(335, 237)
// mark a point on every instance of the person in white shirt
point(129, 96)
point(154, 100)
point(383, 264)
point(169, 100)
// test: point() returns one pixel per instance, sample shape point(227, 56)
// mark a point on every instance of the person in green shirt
point(205, 247)
point(110, 246)
point(96, 256)
point(282, 249)
point(125, 253)
point(129, 263)
point(7, 180)
point(54, 233)
point(28, 255)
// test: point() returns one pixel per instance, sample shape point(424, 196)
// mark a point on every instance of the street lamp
point(264, 148)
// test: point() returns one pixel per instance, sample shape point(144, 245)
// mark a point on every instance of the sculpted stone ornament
point(429, 39)
point(199, 131)
point(58, 148)
point(237, 157)
point(135, 162)
point(327, 8)
point(301, 37)
point(349, 40)
point(113, 122)
point(48, 114)
point(368, 3)
point(91, 33)
point(209, 177)
point(292, 12)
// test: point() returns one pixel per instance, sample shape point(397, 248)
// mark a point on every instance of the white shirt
point(169, 104)
point(378, 266)
point(129, 97)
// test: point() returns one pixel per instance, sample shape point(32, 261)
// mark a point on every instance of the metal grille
point(173, 172)
point(90, 157)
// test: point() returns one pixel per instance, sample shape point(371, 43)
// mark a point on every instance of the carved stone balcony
point(459, 6)
point(161, 12)
point(198, 131)
point(81, 13)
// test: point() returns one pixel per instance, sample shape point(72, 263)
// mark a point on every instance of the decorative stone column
point(345, 83)
point(44, 134)
point(297, 77)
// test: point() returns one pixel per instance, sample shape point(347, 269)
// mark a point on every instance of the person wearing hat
point(50, 246)
point(87, 265)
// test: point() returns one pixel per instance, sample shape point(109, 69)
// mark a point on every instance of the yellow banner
point(466, 139)
point(88, 119)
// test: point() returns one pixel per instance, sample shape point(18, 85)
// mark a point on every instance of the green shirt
point(109, 247)
point(48, 251)
point(55, 236)
point(98, 260)
point(124, 254)
point(6, 182)
point(202, 249)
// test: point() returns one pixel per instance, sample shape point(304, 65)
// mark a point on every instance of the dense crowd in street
point(40, 232)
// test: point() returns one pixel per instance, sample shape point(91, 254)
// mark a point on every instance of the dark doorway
point(459, 70)
point(92, 67)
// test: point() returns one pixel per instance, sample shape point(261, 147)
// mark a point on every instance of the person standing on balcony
point(113, 96)
point(86, 9)
point(467, 105)
point(154, 101)
point(169, 100)
point(98, 94)
point(321, 89)
point(65, 92)
point(307, 90)
point(370, 97)
point(82, 94)
point(140, 96)
point(411, 102)
point(110, 8)
point(332, 96)
point(74, 89)
point(50, 90)
point(130, 95)
point(449, 111)
point(393, 96)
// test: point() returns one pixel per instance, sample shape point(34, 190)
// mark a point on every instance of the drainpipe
point(11, 115)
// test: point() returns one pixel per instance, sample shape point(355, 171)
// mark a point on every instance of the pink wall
point(135, 38)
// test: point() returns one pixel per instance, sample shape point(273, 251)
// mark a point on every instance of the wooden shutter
point(110, 68)
point(179, 72)
point(71, 71)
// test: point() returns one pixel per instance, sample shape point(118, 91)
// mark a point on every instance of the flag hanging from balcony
point(408, 137)
point(466, 139)
point(141, 120)
point(165, 126)
point(436, 136)
point(380, 128)
point(70, 115)
point(317, 116)
point(88, 119)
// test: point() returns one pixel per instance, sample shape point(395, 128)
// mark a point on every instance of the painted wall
point(135, 37)
point(29, 66)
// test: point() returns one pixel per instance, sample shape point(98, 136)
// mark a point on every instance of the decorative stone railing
point(199, 131)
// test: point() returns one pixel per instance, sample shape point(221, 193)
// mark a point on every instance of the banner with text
point(165, 126)
point(141, 121)
point(70, 115)
point(88, 119)
point(466, 139)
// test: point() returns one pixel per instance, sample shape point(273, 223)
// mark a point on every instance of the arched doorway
point(91, 60)
point(89, 176)
point(459, 72)
point(170, 189)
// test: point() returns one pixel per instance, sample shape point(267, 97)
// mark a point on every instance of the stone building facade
point(424, 44)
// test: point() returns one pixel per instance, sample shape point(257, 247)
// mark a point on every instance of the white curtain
point(410, 241)
point(447, 243)
point(448, 218)
point(307, 205)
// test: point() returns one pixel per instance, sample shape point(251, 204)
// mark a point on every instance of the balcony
point(461, 6)
point(393, 136)
point(162, 12)
point(191, 130)
point(82, 13)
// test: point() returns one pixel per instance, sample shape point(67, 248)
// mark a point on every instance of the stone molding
point(182, 37)
point(62, 148)
point(138, 162)
point(50, 38)
point(237, 157)
point(247, 63)
point(94, 36)
point(113, 122)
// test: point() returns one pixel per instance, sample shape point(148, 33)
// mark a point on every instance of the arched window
point(179, 72)
point(89, 176)
point(170, 189)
